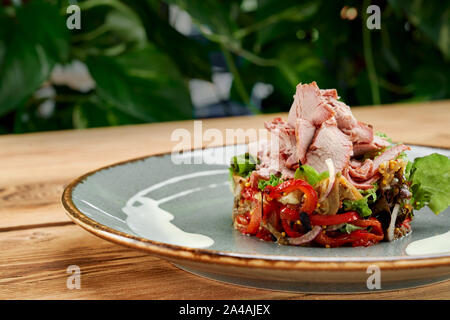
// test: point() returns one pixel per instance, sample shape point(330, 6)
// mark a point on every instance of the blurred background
point(142, 61)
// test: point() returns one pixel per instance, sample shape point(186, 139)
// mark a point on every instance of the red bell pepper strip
point(310, 195)
point(357, 237)
point(328, 220)
point(268, 208)
point(255, 219)
point(334, 242)
point(289, 230)
point(287, 213)
point(372, 222)
point(364, 238)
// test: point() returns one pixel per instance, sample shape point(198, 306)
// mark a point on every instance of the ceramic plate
point(178, 207)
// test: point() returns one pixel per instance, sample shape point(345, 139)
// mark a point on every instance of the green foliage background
point(142, 65)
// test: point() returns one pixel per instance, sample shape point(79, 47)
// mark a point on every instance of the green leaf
point(310, 175)
point(128, 28)
point(25, 67)
point(430, 182)
point(408, 168)
point(90, 113)
point(349, 228)
point(216, 16)
point(190, 56)
point(433, 19)
point(371, 194)
point(36, 40)
point(143, 83)
point(273, 181)
point(243, 164)
point(361, 206)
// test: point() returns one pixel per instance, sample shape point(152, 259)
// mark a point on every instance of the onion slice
point(391, 228)
point(331, 179)
point(307, 237)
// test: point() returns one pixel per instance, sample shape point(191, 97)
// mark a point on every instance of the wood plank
point(31, 205)
point(33, 265)
point(424, 124)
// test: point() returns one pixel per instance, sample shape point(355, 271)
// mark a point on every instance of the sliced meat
point(362, 173)
point(321, 127)
point(279, 155)
point(329, 143)
point(273, 166)
point(389, 154)
point(343, 114)
point(330, 93)
point(355, 163)
point(267, 167)
point(304, 132)
point(268, 162)
point(360, 149)
point(378, 143)
point(283, 140)
point(364, 176)
point(359, 132)
point(263, 172)
point(364, 185)
point(381, 142)
point(309, 105)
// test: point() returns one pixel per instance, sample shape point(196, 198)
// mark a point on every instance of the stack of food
point(327, 179)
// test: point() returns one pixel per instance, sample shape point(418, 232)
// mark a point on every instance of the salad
point(326, 179)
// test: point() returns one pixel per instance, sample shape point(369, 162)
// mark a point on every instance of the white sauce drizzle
point(432, 245)
point(146, 218)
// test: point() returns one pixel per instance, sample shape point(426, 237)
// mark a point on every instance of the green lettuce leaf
point(371, 194)
point(273, 181)
point(361, 206)
point(349, 228)
point(310, 175)
point(243, 164)
point(430, 182)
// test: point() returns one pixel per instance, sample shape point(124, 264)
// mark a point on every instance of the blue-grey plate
point(178, 207)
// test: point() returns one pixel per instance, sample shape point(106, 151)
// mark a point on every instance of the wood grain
point(38, 241)
point(33, 264)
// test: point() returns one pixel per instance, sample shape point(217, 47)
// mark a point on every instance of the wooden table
point(38, 241)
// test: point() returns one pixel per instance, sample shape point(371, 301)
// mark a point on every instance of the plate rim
point(280, 262)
